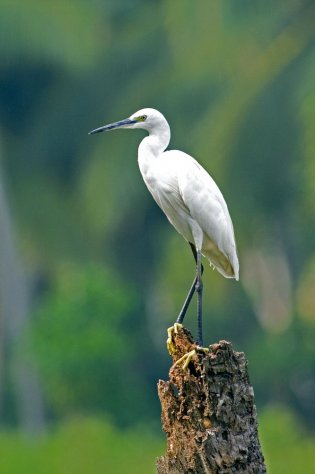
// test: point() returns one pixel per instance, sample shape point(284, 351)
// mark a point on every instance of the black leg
point(191, 292)
point(184, 309)
point(199, 287)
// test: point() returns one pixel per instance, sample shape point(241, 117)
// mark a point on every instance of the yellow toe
point(170, 334)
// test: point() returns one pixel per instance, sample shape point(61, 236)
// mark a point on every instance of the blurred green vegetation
point(80, 445)
point(87, 344)
point(103, 272)
point(287, 446)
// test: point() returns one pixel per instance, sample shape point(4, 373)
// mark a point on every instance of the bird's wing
point(206, 204)
point(163, 185)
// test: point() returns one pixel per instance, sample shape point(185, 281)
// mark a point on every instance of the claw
point(169, 342)
point(188, 357)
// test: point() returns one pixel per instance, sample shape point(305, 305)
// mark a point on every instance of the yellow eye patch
point(141, 118)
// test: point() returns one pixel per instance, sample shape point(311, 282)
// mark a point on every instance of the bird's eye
point(142, 118)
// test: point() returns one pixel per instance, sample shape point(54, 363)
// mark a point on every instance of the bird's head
point(148, 119)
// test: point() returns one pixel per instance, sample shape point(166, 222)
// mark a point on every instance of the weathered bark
point(208, 413)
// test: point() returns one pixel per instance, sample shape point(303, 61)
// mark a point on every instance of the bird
point(191, 201)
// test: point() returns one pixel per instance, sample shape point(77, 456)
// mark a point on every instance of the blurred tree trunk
point(208, 413)
point(14, 313)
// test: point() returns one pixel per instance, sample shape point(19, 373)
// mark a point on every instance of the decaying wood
point(208, 413)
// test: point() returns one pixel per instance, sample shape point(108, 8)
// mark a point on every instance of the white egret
point(189, 197)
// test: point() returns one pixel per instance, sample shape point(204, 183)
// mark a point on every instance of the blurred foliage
point(87, 345)
point(236, 82)
point(80, 445)
point(287, 446)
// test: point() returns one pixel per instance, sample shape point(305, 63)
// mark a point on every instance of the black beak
point(111, 126)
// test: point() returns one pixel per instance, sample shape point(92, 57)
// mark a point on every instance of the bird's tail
point(228, 266)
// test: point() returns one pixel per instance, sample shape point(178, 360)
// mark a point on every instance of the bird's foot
point(170, 333)
point(186, 358)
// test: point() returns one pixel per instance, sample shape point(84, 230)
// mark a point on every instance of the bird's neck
point(156, 142)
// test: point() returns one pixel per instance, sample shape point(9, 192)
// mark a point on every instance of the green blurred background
point(92, 274)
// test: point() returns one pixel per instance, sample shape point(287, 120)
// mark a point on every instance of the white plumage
point(186, 193)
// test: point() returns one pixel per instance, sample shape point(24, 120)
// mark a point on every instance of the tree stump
point(208, 413)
